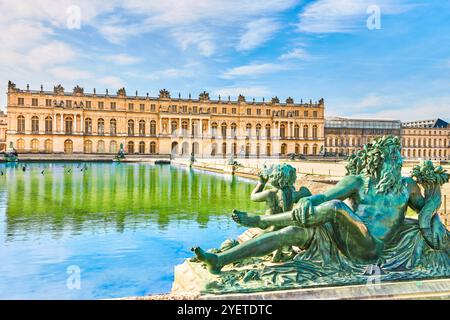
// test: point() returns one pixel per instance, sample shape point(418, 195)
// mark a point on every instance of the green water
point(124, 226)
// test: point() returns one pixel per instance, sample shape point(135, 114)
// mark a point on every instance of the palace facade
point(426, 139)
point(345, 136)
point(3, 129)
point(77, 122)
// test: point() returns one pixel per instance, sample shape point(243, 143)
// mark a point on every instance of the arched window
point(68, 146)
point(141, 147)
point(20, 145)
point(153, 147)
point(113, 127)
point(233, 130)
point(88, 146)
point(48, 144)
point(258, 150)
point(224, 149)
point(185, 148)
point(258, 131)
point(224, 130)
point(113, 147)
point(314, 131)
point(268, 131)
point(184, 128)
point(306, 149)
point(101, 126)
point(35, 124)
point(142, 128)
point(130, 147)
point(131, 128)
point(297, 131)
point(297, 148)
point(174, 148)
point(284, 149)
point(268, 150)
point(173, 127)
point(213, 129)
point(21, 124)
point(283, 131)
point(153, 128)
point(248, 129)
point(247, 149)
point(69, 126)
point(35, 145)
point(305, 131)
point(315, 149)
point(101, 146)
point(213, 149)
point(88, 125)
point(234, 148)
point(48, 125)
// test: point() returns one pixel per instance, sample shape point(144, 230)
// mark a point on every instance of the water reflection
point(58, 197)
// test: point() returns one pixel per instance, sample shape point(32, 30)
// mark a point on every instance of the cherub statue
point(276, 188)
point(369, 228)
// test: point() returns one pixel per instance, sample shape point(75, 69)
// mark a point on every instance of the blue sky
point(303, 49)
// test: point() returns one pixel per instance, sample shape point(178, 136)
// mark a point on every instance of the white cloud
point(122, 59)
point(297, 53)
point(112, 82)
point(69, 74)
point(338, 16)
point(248, 91)
point(418, 110)
point(253, 70)
point(257, 32)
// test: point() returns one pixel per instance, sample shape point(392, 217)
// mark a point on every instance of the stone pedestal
point(190, 279)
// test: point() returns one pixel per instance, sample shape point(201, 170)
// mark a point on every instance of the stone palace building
point(59, 121)
point(427, 139)
point(3, 129)
point(345, 136)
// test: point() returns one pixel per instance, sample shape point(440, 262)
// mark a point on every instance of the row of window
point(405, 153)
point(88, 126)
point(86, 104)
point(68, 121)
point(245, 150)
point(356, 142)
point(425, 132)
point(268, 130)
point(173, 108)
point(424, 142)
point(425, 153)
point(88, 146)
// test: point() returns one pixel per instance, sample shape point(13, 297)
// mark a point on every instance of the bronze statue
point(11, 154)
point(280, 195)
point(370, 227)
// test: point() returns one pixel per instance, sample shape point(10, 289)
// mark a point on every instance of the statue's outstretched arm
point(342, 190)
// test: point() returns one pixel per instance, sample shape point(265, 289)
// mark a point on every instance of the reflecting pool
point(123, 226)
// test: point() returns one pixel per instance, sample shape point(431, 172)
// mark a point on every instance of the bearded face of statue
point(390, 175)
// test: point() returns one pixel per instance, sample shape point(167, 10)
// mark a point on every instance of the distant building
point(59, 121)
point(3, 129)
point(435, 123)
point(344, 136)
point(426, 139)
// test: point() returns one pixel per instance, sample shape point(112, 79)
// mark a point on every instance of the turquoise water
point(122, 226)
